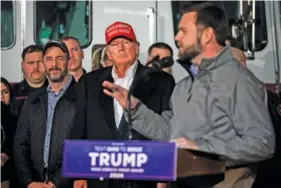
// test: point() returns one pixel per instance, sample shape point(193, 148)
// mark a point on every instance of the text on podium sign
point(131, 160)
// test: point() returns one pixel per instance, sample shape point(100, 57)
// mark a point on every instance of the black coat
point(8, 128)
point(95, 115)
point(268, 174)
point(30, 136)
point(21, 91)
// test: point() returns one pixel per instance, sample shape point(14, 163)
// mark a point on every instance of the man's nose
point(70, 54)
point(120, 46)
point(36, 65)
point(177, 38)
point(55, 63)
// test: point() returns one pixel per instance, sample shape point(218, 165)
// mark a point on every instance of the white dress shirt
point(125, 83)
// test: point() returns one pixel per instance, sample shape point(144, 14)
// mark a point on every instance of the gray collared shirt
point(53, 99)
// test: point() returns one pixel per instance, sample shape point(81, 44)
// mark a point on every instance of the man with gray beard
point(46, 120)
point(223, 111)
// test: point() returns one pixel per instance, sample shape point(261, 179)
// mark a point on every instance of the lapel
point(143, 86)
point(106, 102)
point(142, 91)
point(70, 93)
point(107, 105)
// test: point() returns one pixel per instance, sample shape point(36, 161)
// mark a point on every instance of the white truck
point(254, 24)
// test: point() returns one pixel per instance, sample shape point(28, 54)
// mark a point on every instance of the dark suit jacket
point(95, 111)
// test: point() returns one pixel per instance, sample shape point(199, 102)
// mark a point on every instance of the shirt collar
point(193, 69)
point(69, 80)
point(130, 72)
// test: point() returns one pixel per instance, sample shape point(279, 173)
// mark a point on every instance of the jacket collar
point(106, 75)
point(212, 63)
point(209, 64)
point(130, 72)
point(24, 85)
point(69, 94)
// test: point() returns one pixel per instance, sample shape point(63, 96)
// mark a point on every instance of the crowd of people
point(219, 107)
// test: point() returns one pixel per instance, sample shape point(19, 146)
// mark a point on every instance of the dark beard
point(192, 51)
point(188, 56)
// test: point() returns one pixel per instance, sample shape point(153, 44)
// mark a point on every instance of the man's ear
point(22, 68)
point(208, 35)
point(22, 64)
point(137, 47)
point(108, 53)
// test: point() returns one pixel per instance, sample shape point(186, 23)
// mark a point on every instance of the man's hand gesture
point(118, 93)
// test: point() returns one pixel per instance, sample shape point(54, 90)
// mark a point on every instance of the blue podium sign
point(131, 160)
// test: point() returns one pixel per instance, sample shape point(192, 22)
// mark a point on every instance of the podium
point(196, 163)
point(136, 160)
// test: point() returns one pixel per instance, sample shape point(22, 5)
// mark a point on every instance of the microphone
point(159, 64)
point(155, 58)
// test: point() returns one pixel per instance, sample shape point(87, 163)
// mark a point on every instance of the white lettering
point(129, 159)
point(112, 32)
point(124, 170)
point(109, 169)
point(141, 159)
point(123, 31)
point(95, 169)
point(112, 149)
point(104, 159)
point(116, 27)
point(116, 159)
point(99, 148)
point(93, 156)
point(134, 149)
point(135, 170)
point(116, 175)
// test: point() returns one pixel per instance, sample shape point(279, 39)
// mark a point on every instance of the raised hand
point(119, 93)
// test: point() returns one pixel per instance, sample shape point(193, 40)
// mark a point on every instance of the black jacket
point(95, 116)
point(268, 174)
point(21, 91)
point(30, 136)
point(8, 127)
